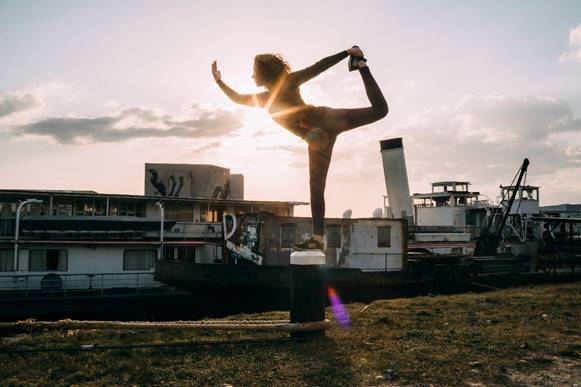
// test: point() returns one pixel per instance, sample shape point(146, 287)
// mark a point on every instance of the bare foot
point(318, 238)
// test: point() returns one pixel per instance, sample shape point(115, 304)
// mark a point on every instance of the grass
point(509, 337)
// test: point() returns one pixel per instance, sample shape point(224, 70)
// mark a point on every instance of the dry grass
point(510, 337)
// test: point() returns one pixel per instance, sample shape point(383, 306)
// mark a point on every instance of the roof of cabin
point(93, 194)
point(438, 183)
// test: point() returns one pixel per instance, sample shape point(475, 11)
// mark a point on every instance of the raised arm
point(256, 100)
point(301, 76)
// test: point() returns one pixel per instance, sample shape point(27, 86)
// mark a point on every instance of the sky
point(90, 91)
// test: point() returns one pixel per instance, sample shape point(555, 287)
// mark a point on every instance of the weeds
point(510, 337)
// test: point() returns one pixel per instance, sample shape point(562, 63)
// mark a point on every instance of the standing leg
point(319, 161)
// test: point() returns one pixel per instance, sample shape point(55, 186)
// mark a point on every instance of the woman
point(319, 126)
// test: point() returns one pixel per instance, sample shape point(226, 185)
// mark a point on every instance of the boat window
point(530, 194)
point(384, 236)
point(100, 207)
point(333, 236)
point(288, 234)
point(187, 253)
point(241, 210)
point(139, 259)
point(7, 210)
point(179, 212)
point(169, 253)
point(48, 260)
point(6, 260)
point(211, 213)
point(283, 212)
point(80, 206)
point(34, 209)
point(7, 227)
point(126, 208)
point(62, 206)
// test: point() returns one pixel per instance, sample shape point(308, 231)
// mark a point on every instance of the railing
point(7, 226)
point(65, 284)
point(81, 235)
point(182, 230)
point(187, 230)
point(445, 229)
point(376, 261)
point(451, 205)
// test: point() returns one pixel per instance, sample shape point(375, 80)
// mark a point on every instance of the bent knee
point(381, 110)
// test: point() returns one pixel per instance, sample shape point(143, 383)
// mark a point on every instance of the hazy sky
point(92, 90)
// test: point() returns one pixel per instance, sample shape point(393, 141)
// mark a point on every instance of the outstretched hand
point(215, 72)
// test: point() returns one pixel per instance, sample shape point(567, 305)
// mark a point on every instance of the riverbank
point(529, 335)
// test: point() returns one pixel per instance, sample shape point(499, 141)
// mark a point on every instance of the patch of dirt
point(562, 372)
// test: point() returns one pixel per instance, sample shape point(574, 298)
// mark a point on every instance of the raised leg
point(326, 124)
point(341, 120)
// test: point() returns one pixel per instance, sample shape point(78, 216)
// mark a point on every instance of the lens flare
point(339, 310)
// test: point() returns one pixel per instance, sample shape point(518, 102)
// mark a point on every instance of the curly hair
point(270, 67)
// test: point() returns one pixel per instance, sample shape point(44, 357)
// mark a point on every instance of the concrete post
point(307, 290)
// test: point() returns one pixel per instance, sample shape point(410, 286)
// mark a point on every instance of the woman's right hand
point(216, 72)
point(355, 51)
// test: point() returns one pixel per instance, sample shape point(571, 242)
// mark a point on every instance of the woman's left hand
point(215, 72)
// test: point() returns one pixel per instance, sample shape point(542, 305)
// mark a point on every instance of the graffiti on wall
point(187, 181)
point(169, 184)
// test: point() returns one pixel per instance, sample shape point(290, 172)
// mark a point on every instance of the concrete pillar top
point(307, 257)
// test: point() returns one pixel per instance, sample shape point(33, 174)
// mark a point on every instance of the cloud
point(17, 102)
point(574, 52)
point(481, 139)
point(295, 155)
point(299, 164)
point(211, 146)
point(496, 123)
point(263, 132)
point(293, 150)
point(134, 123)
point(111, 104)
point(484, 139)
point(23, 106)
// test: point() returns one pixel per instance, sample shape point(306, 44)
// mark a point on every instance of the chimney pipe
point(396, 178)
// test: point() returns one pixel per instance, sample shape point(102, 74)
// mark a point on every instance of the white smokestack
point(396, 178)
point(377, 213)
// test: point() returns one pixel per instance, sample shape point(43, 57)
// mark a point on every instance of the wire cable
point(230, 325)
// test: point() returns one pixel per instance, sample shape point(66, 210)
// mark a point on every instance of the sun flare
point(260, 128)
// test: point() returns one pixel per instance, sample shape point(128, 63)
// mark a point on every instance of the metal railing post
point(17, 229)
point(162, 220)
point(385, 261)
